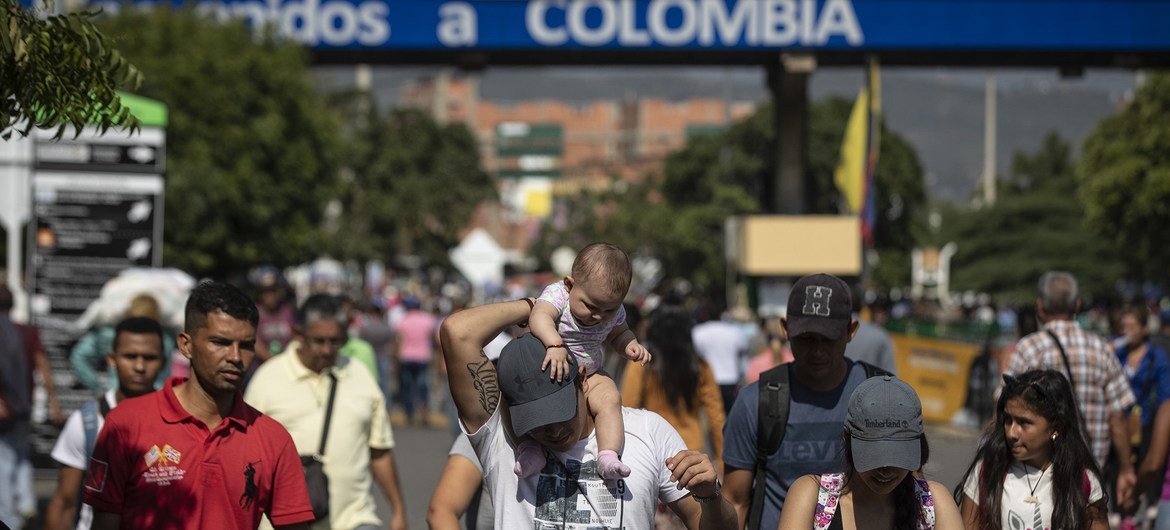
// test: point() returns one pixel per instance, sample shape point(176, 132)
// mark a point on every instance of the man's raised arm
point(472, 377)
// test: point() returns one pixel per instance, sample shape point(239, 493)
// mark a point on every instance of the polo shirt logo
point(171, 454)
point(162, 465)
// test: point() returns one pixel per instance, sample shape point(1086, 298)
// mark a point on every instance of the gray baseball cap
point(534, 400)
point(884, 422)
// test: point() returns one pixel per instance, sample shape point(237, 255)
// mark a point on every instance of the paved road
point(421, 452)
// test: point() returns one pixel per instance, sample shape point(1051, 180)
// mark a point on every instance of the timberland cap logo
point(524, 380)
point(816, 300)
point(886, 424)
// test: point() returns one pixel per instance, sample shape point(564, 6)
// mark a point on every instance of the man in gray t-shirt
point(873, 345)
point(819, 325)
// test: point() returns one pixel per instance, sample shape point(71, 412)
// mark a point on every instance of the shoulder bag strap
point(89, 423)
point(871, 370)
point(1064, 355)
point(772, 421)
point(89, 416)
point(828, 497)
point(926, 520)
point(328, 412)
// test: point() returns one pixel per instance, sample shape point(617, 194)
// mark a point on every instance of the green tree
point(1125, 180)
point(58, 71)
point(679, 217)
point(1034, 226)
point(412, 185)
point(251, 156)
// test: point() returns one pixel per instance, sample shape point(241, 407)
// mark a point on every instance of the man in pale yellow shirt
point(293, 389)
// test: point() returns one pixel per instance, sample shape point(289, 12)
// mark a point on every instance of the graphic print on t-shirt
point(1016, 520)
point(162, 465)
point(573, 496)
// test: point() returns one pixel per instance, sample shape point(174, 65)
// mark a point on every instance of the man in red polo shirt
point(194, 455)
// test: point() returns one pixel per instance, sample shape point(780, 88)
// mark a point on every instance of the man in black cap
point(819, 325)
point(567, 493)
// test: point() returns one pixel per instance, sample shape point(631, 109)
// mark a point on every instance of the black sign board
point(86, 228)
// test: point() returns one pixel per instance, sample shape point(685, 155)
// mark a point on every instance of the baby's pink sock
point(609, 467)
point(529, 459)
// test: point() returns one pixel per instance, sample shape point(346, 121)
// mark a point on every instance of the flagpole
point(866, 179)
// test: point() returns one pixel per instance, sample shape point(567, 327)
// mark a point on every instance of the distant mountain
point(940, 111)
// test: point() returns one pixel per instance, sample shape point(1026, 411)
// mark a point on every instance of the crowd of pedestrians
point(275, 411)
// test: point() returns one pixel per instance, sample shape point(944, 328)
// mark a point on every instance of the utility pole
point(989, 141)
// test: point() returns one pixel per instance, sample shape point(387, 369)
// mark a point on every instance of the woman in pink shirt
point(416, 347)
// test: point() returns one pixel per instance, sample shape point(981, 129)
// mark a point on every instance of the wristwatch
point(711, 497)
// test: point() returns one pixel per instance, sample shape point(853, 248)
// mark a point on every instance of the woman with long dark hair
point(880, 487)
point(1034, 468)
point(677, 384)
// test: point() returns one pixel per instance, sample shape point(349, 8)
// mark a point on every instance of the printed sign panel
point(707, 25)
point(938, 370)
point(96, 210)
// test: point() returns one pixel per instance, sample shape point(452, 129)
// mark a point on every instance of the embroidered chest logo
point(162, 465)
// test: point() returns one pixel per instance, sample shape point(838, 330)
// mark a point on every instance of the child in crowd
point(575, 316)
point(1033, 468)
point(885, 447)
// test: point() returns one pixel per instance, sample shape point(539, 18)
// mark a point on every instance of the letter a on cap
point(816, 300)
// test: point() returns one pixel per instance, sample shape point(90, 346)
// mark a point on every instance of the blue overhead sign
point(709, 25)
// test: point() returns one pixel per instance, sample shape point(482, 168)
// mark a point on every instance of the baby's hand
point(637, 353)
point(556, 359)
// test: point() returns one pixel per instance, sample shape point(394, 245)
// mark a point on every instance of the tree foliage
point(1036, 225)
point(412, 185)
point(57, 71)
point(1125, 180)
point(252, 157)
point(679, 219)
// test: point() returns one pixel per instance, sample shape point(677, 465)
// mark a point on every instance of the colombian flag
point(859, 153)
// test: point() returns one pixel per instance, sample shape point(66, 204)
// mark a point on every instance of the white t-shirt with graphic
point(1017, 487)
point(70, 451)
point(586, 343)
point(568, 493)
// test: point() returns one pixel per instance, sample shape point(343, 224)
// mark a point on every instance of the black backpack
point(775, 399)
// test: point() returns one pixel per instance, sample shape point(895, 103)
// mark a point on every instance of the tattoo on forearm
point(483, 376)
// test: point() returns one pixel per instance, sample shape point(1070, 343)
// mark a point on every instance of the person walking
point(1100, 388)
point(721, 343)
point(880, 486)
point(569, 490)
point(137, 359)
point(416, 349)
point(1033, 468)
point(194, 455)
point(677, 384)
point(312, 381)
point(815, 387)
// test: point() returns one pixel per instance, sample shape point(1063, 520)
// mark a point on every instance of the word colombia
point(679, 23)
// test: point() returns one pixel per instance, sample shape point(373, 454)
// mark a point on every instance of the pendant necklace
point(1032, 489)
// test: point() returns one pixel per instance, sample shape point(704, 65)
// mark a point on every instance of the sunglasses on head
point(1012, 382)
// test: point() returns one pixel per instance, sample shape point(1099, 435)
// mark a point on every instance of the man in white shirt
point(567, 493)
point(137, 360)
point(721, 343)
